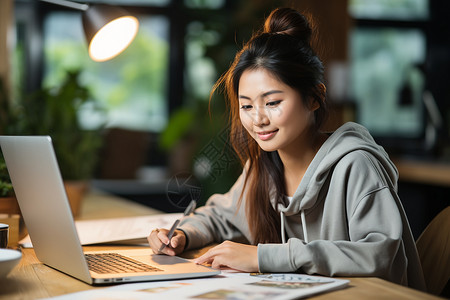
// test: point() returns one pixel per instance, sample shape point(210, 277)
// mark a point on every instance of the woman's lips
point(266, 135)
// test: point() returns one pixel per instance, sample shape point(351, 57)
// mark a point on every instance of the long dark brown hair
point(283, 48)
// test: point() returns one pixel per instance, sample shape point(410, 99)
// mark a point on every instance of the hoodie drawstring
point(305, 233)
point(283, 237)
point(283, 220)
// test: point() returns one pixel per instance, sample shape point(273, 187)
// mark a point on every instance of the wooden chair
point(433, 246)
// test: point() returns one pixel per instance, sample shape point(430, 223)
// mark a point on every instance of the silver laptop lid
point(37, 182)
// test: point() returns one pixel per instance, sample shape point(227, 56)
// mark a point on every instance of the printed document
point(228, 285)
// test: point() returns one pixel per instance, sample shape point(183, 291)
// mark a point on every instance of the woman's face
point(272, 112)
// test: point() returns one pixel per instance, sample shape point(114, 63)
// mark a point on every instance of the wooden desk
point(32, 280)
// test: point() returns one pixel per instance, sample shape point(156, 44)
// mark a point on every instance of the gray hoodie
point(345, 218)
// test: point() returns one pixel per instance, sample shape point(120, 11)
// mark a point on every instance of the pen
point(187, 212)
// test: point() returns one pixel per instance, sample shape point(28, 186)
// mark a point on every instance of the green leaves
point(6, 188)
point(181, 122)
point(54, 112)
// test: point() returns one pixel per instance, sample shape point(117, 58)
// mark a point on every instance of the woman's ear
point(313, 104)
point(320, 93)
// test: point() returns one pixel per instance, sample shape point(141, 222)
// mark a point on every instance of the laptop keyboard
point(107, 263)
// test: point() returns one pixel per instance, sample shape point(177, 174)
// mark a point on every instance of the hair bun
point(288, 21)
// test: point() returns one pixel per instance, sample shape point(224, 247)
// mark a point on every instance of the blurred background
point(138, 126)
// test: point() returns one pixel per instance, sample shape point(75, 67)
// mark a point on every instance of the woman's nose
point(260, 117)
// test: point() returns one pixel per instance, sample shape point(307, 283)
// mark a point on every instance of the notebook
point(39, 188)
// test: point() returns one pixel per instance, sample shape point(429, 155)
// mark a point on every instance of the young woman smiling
point(306, 201)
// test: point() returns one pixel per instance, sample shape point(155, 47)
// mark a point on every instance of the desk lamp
point(108, 29)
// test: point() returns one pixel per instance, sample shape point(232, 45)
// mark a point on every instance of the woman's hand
point(232, 255)
point(158, 237)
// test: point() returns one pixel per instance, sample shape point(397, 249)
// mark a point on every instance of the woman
point(307, 201)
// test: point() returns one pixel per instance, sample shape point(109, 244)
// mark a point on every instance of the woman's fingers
point(207, 257)
point(157, 238)
point(231, 255)
point(162, 236)
point(174, 246)
point(178, 242)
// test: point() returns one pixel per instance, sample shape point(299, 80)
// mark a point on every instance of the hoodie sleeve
point(363, 230)
point(220, 219)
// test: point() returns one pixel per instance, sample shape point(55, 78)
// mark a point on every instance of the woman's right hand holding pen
point(173, 241)
point(174, 246)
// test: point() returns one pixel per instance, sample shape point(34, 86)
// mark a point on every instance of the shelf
point(426, 172)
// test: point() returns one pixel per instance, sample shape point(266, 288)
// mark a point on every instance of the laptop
point(39, 188)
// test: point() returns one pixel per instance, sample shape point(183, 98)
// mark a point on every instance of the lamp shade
point(108, 30)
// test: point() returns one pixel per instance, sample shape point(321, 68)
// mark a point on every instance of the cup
point(4, 231)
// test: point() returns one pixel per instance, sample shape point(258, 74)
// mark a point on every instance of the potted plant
point(54, 112)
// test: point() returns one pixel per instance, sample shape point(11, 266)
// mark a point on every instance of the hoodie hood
point(346, 139)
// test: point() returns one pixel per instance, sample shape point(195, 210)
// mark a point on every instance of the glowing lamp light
point(113, 38)
point(108, 29)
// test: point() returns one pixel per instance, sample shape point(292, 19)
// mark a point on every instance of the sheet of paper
point(238, 286)
point(118, 230)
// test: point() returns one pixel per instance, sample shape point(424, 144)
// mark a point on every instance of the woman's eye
point(273, 103)
point(246, 107)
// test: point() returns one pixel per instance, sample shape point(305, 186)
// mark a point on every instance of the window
point(385, 64)
point(201, 70)
point(389, 10)
point(131, 87)
point(387, 51)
